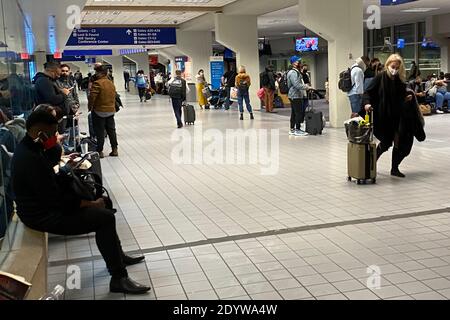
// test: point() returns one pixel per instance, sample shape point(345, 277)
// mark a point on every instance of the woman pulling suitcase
point(397, 119)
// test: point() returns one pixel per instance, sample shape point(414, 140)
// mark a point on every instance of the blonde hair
point(402, 70)
point(242, 69)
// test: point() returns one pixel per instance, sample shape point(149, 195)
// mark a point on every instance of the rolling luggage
point(362, 162)
point(361, 152)
point(189, 114)
point(314, 120)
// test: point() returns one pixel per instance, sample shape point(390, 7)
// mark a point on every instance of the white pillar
point(197, 45)
point(240, 34)
point(445, 57)
point(40, 58)
point(117, 65)
point(341, 24)
point(142, 62)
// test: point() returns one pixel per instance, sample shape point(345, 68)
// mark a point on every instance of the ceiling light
point(419, 10)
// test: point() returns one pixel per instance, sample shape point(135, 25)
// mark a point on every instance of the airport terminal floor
point(227, 231)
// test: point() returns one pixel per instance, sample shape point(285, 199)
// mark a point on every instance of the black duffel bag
point(358, 134)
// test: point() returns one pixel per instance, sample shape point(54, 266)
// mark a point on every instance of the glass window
point(421, 31)
point(429, 61)
point(409, 55)
point(406, 31)
point(380, 35)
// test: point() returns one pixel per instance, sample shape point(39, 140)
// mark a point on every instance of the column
point(40, 58)
point(142, 62)
point(117, 65)
point(197, 45)
point(240, 34)
point(341, 24)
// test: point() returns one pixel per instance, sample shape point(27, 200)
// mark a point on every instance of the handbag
point(234, 94)
point(433, 91)
point(119, 103)
point(261, 93)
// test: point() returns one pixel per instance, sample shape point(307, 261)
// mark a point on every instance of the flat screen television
point(307, 44)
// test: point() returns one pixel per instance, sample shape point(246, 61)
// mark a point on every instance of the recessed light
point(419, 10)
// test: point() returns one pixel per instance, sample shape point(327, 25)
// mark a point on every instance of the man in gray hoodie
point(298, 95)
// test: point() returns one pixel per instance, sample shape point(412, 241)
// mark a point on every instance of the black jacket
point(392, 114)
point(268, 80)
point(38, 192)
point(47, 92)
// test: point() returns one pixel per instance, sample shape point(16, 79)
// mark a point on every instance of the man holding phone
point(46, 204)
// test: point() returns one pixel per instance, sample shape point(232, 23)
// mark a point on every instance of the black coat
point(38, 192)
point(393, 116)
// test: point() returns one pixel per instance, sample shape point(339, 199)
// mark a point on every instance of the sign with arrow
point(122, 36)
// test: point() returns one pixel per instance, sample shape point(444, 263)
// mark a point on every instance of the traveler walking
point(178, 91)
point(397, 119)
point(228, 81)
point(141, 85)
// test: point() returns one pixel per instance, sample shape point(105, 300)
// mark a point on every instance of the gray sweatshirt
point(297, 88)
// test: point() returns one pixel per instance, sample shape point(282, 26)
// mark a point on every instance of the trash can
point(192, 95)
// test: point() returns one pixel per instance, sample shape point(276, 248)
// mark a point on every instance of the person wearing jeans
point(298, 97)
point(356, 94)
point(441, 96)
point(102, 104)
point(243, 83)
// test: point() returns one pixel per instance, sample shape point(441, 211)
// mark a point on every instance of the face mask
point(394, 72)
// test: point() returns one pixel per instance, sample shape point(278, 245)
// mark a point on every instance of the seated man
point(442, 93)
point(43, 205)
point(418, 88)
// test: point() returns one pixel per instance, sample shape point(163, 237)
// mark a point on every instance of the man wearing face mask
point(45, 203)
point(355, 95)
point(396, 117)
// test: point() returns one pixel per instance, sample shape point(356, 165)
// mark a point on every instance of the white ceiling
point(278, 23)
point(121, 17)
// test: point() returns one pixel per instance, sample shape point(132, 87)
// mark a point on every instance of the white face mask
point(394, 72)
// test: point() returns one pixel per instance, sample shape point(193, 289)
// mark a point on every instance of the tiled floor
point(228, 232)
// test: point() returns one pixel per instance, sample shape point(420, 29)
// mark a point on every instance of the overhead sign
point(395, 2)
point(122, 36)
point(88, 52)
point(66, 58)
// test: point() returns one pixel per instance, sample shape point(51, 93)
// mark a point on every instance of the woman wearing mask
point(243, 83)
point(201, 84)
point(396, 116)
point(141, 84)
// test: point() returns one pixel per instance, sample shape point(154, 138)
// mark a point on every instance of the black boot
point(242, 116)
point(126, 285)
point(397, 158)
point(252, 117)
point(130, 261)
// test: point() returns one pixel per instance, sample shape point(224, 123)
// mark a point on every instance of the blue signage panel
point(395, 2)
point(217, 71)
point(66, 58)
point(122, 36)
point(88, 52)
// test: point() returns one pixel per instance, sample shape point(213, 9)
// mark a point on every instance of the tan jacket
point(102, 97)
point(243, 76)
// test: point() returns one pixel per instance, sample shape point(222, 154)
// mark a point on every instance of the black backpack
point(176, 89)
point(243, 85)
point(345, 80)
point(284, 86)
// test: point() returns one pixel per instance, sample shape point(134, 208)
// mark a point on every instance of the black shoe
point(242, 117)
point(131, 261)
point(252, 117)
point(128, 286)
point(397, 173)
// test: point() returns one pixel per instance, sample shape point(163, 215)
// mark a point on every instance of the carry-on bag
point(189, 114)
point(314, 120)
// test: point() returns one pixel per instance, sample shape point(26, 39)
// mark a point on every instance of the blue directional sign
point(395, 2)
point(122, 36)
point(217, 70)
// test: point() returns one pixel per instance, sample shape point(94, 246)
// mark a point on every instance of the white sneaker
point(439, 111)
point(301, 133)
point(292, 132)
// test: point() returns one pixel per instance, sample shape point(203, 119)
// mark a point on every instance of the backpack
point(176, 89)
point(345, 80)
point(243, 85)
point(141, 81)
point(284, 86)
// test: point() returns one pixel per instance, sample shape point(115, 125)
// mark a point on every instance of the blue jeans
point(241, 98)
point(356, 102)
point(441, 96)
